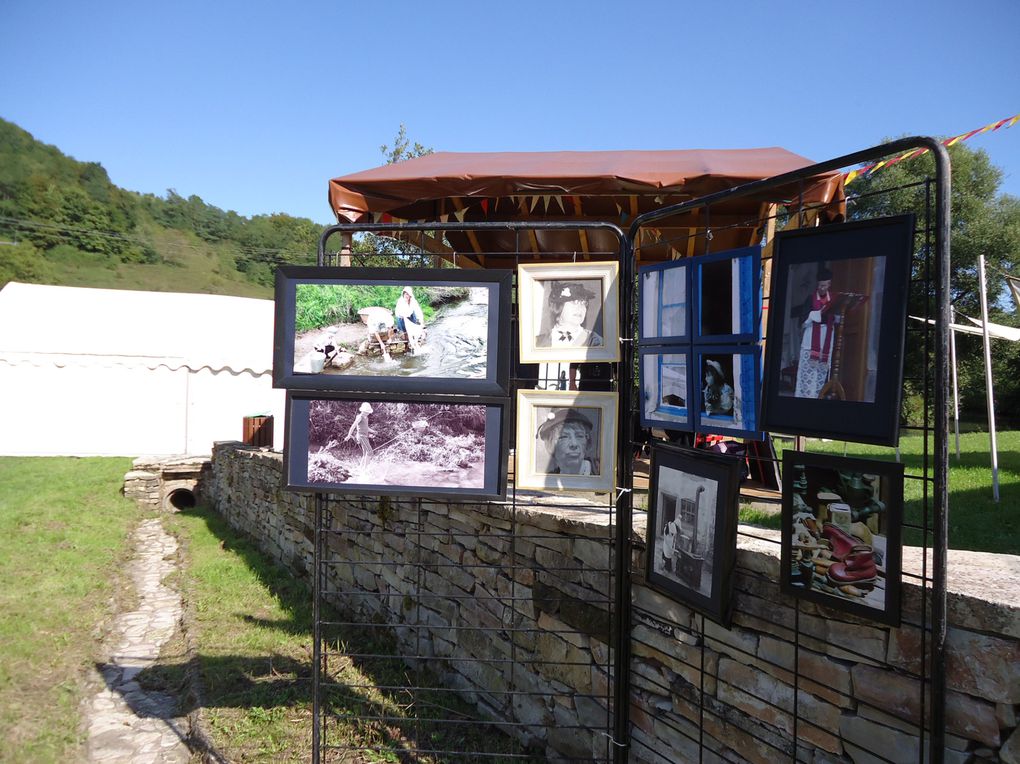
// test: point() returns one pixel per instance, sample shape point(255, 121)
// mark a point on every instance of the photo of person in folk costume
point(818, 326)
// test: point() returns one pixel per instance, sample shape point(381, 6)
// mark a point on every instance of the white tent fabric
point(117, 372)
point(994, 330)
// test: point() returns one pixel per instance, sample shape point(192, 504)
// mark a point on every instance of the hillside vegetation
point(63, 222)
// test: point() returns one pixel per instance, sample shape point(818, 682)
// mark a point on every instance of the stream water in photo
point(455, 345)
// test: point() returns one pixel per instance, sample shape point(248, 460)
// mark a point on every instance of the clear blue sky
point(253, 106)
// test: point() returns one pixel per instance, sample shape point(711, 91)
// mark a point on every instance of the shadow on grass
point(371, 702)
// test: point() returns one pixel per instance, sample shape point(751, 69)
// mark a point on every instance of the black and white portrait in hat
point(569, 439)
point(572, 315)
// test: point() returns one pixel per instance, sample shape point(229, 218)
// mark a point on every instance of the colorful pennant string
point(861, 172)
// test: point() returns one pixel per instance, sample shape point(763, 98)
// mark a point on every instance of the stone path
point(126, 723)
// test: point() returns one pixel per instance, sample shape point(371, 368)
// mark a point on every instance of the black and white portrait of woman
point(573, 315)
point(570, 441)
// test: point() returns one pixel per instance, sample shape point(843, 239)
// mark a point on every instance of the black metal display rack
point(410, 696)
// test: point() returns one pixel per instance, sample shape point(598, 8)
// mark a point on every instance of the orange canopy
point(613, 186)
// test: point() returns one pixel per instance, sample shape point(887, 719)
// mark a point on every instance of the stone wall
point(522, 594)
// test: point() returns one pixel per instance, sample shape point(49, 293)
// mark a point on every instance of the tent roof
point(613, 186)
point(59, 325)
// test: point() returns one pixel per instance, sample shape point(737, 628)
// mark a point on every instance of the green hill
point(63, 222)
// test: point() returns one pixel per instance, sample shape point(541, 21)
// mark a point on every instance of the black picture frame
point(435, 438)
point(842, 520)
point(437, 372)
point(844, 380)
point(703, 489)
point(732, 406)
point(726, 290)
point(667, 389)
point(664, 304)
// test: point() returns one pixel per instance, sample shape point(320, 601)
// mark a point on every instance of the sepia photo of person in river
point(432, 445)
point(373, 329)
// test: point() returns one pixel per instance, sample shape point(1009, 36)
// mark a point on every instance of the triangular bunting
point(460, 215)
point(485, 206)
point(545, 202)
point(534, 203)
point(559, 201)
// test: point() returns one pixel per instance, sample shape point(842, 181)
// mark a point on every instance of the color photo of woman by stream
point(430, 445)
point(391, 330)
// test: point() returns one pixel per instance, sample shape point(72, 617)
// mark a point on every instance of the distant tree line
point(56, 211)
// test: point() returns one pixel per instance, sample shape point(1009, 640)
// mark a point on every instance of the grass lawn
point(976, 521)
point(251, 633)
point(63, 533)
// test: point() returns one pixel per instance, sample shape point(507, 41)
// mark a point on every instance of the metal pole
point(988, 378)
point(956, 390)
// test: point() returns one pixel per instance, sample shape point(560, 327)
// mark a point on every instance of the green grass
point(63, 528)
point(251, 637)
point(976, 521)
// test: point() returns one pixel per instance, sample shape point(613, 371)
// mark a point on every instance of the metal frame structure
point(935, 422)
point(616, 504)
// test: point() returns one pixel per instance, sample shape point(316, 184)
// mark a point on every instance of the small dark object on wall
point(258, 431)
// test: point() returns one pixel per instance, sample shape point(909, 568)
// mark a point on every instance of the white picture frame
point(544, 417)
point(550, 329)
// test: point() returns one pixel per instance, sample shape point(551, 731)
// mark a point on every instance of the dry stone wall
point(523, 597)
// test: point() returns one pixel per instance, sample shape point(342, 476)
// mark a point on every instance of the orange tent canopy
point(613, 186)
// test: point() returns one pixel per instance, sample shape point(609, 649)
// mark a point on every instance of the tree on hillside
point(984, 221)
point(378, 250)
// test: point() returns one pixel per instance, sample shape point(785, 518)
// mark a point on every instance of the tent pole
point(988, 378)
point(956, 390)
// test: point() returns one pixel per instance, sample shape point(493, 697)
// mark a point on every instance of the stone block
point(733, 641)
point(661, 607)
point(900, 696)
point(1010, 751)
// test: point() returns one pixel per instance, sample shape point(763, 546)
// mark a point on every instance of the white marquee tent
point(110, 372)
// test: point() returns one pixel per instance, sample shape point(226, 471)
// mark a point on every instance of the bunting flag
point(534, 203)
point(545, 203)
point(459, 214)
point(445, 218)
point(861, 172)
point(559, 201)
point(485, 206)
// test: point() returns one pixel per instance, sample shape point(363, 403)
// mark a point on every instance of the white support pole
point(956, 390)
point(988, 378)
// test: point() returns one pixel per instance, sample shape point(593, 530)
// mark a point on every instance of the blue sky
point(253, 106)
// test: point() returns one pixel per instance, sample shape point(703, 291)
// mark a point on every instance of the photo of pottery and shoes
point(838, 523)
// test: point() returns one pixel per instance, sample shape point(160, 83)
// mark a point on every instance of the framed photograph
point(569, 312)
point(692, 527)
point(837, 320)
point(666, 383)
point(842, 521)
point(420, 330)
point(664, 306)
point(726, 390)
point(727, 296)
point(444, 447)
point(566, 440)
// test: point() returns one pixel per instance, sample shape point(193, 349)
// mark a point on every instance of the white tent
point(111, 372)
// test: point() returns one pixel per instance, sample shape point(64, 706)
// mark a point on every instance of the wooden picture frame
point(569, 312)
point(726, 291)
point(728, 404)
point(566, 441)
point(842, 524)
point(464, 348)
point(430, 446)
point(667, 390)
point(836, 329)
point(664, 304)
point(692, 527)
